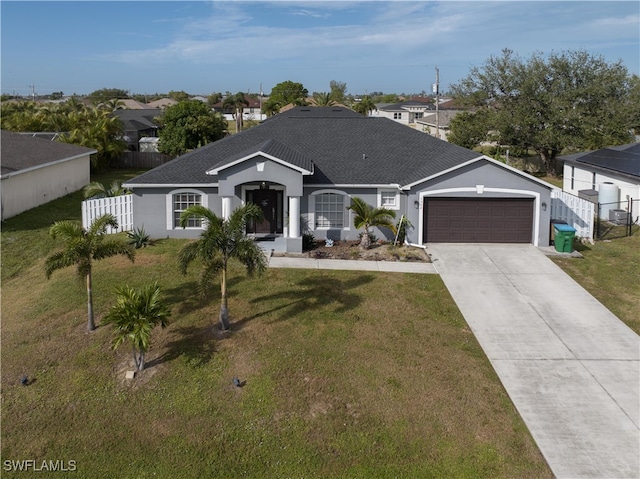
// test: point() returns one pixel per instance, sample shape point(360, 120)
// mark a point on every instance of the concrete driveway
point(570, 366)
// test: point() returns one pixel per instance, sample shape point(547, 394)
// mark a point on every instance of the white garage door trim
point(480, 190)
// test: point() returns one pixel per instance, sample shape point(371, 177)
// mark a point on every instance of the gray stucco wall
point(248, 172)
point(493, 181)
point(150, 210)
point(348, 232)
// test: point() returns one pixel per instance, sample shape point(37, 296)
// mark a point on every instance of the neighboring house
point(253, 110)
point(138, 124)
point(35, 171)
point(406, 112)
point(303, 167)
point(437, 124)
point(162, 103)
point(130, 104)
point(610, 176)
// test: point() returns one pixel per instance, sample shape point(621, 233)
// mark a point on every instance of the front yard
point(348, 374)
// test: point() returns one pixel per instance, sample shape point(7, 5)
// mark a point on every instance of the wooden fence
point(574, 211)
point(141, 160)
point(119, 206)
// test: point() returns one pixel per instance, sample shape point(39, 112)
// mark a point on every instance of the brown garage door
point(486, 220)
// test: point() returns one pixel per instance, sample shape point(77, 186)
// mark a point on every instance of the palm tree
point(82, 247)
point(99, 190)
point(367, 216)
point(134, 316)
point(237, 102)
point(365, 106)
point(221, 241)
point(322, 99)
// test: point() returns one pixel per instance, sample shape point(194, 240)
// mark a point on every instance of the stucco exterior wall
point(348, 232)
point(26, 190)
point(151, 210)
point(576, 178)
point(481, 179)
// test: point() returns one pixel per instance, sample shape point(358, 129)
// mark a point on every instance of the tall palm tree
point(237, 102)
point(221, 241)
point(134, 316)
point(82, 247)
point(367, 216)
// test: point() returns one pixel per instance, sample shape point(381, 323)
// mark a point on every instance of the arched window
point(330, 209)
point(180, 200)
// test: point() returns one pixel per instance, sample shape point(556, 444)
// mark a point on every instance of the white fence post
point(575, 211)
point(119, 206)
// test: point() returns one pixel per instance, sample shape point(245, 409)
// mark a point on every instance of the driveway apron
point(570, 366)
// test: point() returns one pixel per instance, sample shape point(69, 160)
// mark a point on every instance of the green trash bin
point(564, 235)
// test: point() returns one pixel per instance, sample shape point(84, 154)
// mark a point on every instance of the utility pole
point(260, 98)
point(436, 90)
point(33, 92)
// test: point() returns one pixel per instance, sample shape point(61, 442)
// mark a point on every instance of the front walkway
point(570, 366)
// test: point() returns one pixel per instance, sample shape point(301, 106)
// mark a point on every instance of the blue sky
point(205, 47)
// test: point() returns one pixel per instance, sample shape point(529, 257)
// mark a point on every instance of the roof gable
point(272, 150)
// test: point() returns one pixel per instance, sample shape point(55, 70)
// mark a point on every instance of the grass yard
point(610, 271)
point(348, 374)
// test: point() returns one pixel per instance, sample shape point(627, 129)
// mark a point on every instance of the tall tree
point(134, 316)
point(105, 94)
point(571, 99)
point(221, 241)
point(237, 103)
point(367, 217)
point(287, 92)
point(188, 125)
point(83, 247)
point(338, 91)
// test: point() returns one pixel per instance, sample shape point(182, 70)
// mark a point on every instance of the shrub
point(138, 238)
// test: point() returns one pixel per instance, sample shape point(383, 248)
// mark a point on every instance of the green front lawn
point(348, 374)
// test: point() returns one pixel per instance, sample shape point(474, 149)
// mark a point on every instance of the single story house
point(303, 167)
point(610, 176)
point(36, 170)
point(138, 124)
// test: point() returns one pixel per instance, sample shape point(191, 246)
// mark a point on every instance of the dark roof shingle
point(345, 148)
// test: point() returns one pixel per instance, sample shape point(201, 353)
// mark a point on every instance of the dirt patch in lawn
point(351, 250)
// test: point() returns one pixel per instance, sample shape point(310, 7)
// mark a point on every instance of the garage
point(478, 220)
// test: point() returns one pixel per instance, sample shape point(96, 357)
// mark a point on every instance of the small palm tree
point(221, 241)
point(98, 190)
point(82, 247)
point(134, 316)
point(367, 216)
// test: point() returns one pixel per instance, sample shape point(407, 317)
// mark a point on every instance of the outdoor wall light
point(416, 204)
point(544, 207)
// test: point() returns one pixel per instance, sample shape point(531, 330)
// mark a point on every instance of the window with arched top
point(180, 200)
point(329, 209)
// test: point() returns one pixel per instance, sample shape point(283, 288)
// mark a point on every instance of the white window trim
point(169, 207)
point(396, 206)
point(347, 219)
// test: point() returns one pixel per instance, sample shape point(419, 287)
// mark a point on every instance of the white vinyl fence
point(574, 211)
point(119, 206)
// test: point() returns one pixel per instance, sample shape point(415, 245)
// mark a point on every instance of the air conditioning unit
point(618, 216)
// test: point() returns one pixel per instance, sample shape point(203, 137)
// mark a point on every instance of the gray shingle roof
point(21, 152)
point(345, 148)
